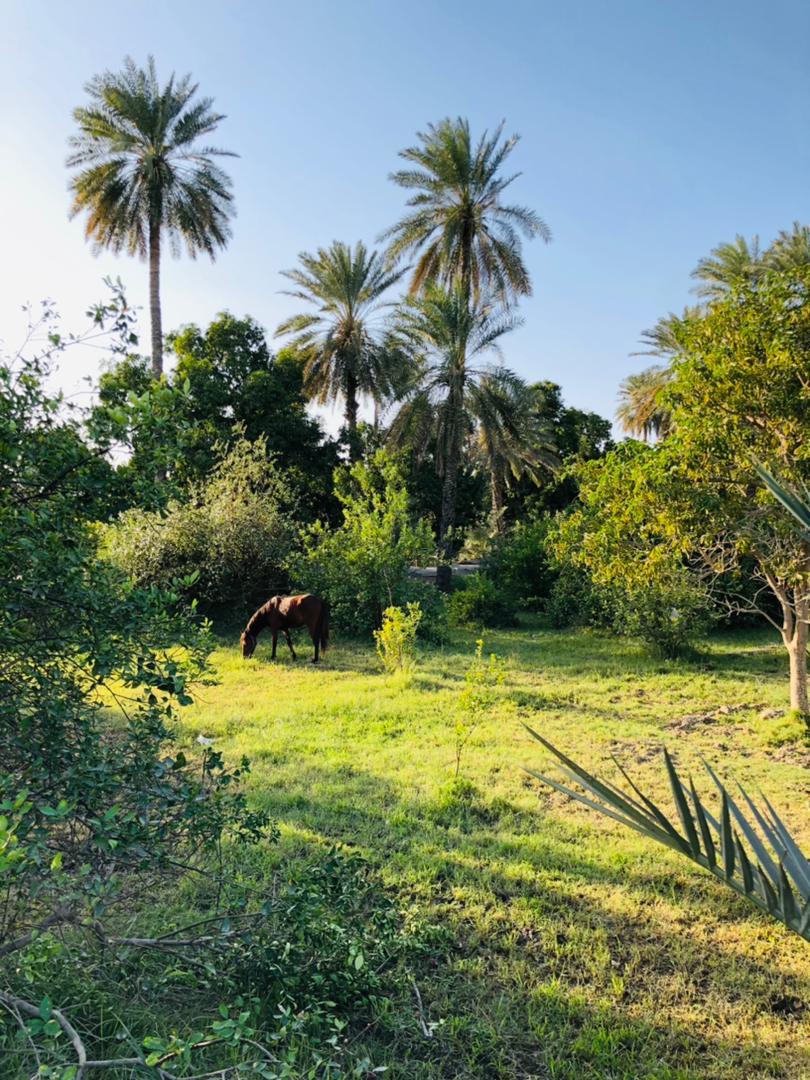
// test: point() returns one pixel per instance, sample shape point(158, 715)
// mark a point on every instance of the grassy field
point(565, 946)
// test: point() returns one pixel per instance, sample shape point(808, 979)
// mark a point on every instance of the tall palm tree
point(462, 232)
point(445, 334)
point(511, 437)
point(142, 173)
point(346, 355)
point(728, 265)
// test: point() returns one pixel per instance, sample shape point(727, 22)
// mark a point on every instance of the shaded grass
point(563, 946)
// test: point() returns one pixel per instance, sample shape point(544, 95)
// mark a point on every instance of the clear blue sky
point(650, 132)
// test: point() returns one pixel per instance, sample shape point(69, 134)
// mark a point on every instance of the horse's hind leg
point(290, 644)
point(275, 642)
point(314, 636)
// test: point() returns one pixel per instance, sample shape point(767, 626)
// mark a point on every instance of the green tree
point(642, 411)
point(237, 387)
point(344, 352)
point(143, 173)
point(738, 396)
point(575, 435)
point(628, 533)
point(449, 396)
point(465, 236)
point(226, 385)
point(362, 566)
point(511, 437)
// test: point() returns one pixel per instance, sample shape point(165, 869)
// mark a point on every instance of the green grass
point(563, 945)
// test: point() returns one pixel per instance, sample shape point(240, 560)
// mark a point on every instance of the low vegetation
point(548, 941)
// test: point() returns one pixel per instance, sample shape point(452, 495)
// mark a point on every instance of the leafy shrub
point(234, 535)
point(480, 602)
point(362, 567)
point(396, 638)
point(668, 616)
point(574, 600)
point(97, 808)
point(482, 682)
point(518, 562)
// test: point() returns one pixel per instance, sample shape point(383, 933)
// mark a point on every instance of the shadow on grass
point(531, 940)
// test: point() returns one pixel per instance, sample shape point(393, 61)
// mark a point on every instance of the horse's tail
point(322, 627)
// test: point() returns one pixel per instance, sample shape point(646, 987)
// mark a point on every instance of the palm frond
point(139, 164)
point(458, 227)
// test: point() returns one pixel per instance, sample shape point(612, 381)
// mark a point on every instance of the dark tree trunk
point(352, 407)
point(154, 300)
point(447, 518)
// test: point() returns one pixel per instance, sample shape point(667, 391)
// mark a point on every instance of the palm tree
point(345, 354)
point(728, 265)
point(511, 437)
point(445, 333)
point(641, 411)
point(790, 249)
point(143, 173)
point(464, 235)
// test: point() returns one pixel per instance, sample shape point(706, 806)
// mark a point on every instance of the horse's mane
point(258, 620)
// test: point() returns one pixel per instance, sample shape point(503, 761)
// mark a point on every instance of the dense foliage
point(226, 385)
point(362, 566)
point(663, 524)
point(518, 562)
point(228, 543)
point(479, 601)
point(96, 806)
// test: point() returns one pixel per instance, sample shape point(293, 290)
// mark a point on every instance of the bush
point(518, 562)
point(98, 808)
point(668, 616)
point(480, 602)
point(233, 538)
point(362, 567)
point(574, 600)
point(396, 638)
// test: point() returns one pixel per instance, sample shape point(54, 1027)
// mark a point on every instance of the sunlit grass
point(565, 946)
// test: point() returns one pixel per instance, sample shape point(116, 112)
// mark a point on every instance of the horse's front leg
point(275, 642)
point(290, 644)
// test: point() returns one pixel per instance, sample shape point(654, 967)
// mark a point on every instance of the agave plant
point(799, 508)
point(766, 866)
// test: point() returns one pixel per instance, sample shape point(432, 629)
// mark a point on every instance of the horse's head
point(248, 644)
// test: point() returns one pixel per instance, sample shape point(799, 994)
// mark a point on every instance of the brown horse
point(287, 613)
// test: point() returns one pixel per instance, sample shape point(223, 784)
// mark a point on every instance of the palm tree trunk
point(154, 299)
point(498, 502)
point(447, 518)
point(351, 417)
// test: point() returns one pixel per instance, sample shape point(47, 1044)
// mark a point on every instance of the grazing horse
point(286, 613)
